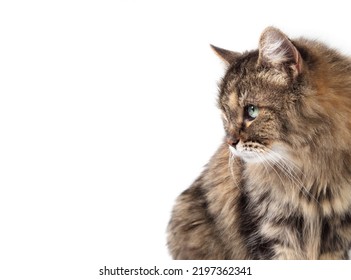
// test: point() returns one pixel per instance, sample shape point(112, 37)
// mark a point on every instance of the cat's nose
point(232, 141)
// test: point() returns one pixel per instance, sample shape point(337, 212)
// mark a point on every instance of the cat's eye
point(251, 112)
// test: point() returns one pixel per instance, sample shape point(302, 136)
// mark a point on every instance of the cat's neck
point(308, 182)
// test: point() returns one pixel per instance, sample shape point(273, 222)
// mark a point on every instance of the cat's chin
point(246, 156)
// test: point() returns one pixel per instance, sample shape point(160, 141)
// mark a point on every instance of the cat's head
point(274, 100)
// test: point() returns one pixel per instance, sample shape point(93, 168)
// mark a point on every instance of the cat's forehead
point(254, 86)
point(246, 97)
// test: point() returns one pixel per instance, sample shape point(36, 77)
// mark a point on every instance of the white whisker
point(230, 163)
point(285, 166)
point(272, 167)
point(231, 160)
point(281, 164)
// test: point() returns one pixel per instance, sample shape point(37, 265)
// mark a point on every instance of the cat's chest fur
point(283, 216)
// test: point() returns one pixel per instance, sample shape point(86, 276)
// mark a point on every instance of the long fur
point(284, 190)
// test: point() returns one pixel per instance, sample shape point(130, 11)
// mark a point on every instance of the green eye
point(252, 111)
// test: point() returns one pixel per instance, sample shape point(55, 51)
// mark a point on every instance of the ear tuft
point(276, 50)
point(227, 56)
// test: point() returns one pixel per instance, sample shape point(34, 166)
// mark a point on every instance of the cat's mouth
point(253, 152)
point(250, 151)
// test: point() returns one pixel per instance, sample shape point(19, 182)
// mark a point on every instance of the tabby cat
point(279, 186)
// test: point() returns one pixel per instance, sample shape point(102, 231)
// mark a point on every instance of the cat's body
point(279, 187)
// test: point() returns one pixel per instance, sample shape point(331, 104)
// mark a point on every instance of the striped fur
point(283, 190)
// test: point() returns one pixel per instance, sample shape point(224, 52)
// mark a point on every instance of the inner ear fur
point(276, 50)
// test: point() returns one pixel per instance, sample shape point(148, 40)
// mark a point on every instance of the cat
point(279, 186)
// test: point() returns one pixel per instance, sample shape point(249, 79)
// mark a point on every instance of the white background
point(108, 111)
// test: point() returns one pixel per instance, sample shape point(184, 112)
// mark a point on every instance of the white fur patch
point(254, 153)
point(233, 151)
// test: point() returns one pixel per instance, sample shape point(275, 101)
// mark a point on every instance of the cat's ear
point(276, 50)
point(227, 56)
